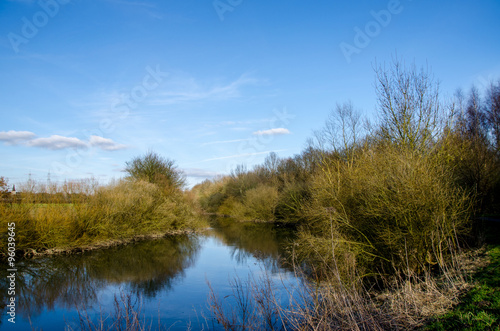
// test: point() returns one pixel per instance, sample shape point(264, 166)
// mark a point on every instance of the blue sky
point(86, 85)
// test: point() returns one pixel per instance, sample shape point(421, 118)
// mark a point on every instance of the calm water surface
point(166, 278)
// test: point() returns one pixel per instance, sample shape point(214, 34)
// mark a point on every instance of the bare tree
point(271, 163)
point(4, 187)
point(475, 118)
point(493, 112)
point(341, 132)
point(240, 170)
point(408, 104)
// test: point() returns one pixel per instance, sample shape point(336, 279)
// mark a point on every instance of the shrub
point(209, 195)
point(155, 169)
point(393, 210)
point(292, 200)
point(232, 207)
point(260, 202)
point(118, 211)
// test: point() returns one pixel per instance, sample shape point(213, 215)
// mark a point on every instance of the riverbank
point(98, 217)
point(464, 297)
point(99, 245)
point(479, 307)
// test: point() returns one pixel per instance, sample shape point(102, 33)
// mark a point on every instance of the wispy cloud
point(224, 142)
point(272, 132)
point(188, 89)
point(240, 155)
point(16, 137)
point(240, 125)
point(199, 173)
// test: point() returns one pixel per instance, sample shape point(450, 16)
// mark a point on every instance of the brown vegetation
point(384, 210)
point(78, 214)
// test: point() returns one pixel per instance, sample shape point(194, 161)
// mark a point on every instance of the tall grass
point(92, 214)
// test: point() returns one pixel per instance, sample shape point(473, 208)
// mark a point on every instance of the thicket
point(396, 196)
point(75, 213)
point(383, 209)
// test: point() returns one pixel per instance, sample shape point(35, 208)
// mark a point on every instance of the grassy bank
point(85, 215)
point(464, 295)
point(479, 307)
point(116, 213)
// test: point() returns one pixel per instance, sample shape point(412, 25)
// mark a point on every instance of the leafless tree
point(408, 101)
point(341, 132)
point(493, 112)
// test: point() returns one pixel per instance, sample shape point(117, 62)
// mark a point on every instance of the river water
point(165, 279)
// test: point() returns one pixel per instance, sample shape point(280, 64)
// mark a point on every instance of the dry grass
point(405, 303)
point(253, 305)
point(85, 214)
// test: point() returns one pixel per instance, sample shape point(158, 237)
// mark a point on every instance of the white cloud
point(16, 137)
point(272, 132)
point(56, 142)
point(199, 173)
point(105, 143)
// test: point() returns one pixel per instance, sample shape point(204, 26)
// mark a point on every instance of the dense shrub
point(154, 168)
point(291, 202)
point(397, 195)
point(260, 202)
point(392, 210)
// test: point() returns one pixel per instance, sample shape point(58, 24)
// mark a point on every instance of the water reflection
point(151, 270)
point(146, 268)
point(265, 242)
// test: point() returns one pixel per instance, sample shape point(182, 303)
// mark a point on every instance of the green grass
point(479, 308)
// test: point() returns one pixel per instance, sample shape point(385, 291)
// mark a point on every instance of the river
point(166, 279)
